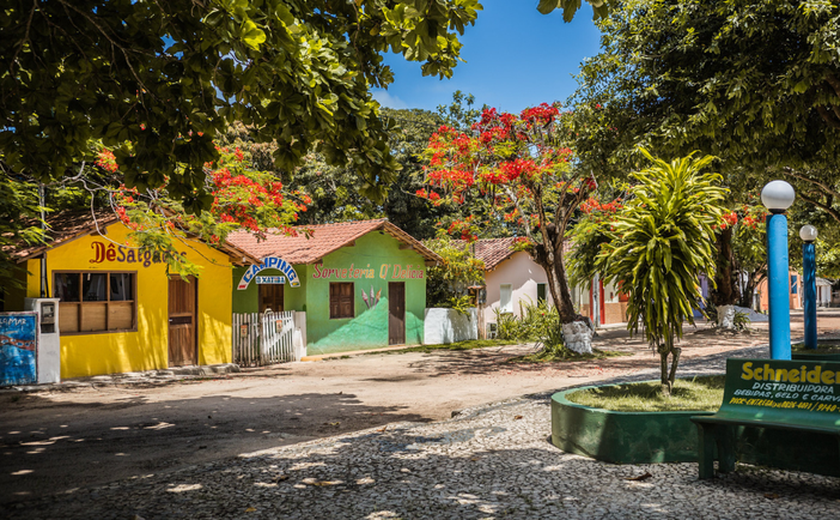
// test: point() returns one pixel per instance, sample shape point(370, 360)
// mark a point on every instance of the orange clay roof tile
point(494, 251)
point(323, 240)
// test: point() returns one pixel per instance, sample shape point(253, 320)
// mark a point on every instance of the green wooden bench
point(801, 397)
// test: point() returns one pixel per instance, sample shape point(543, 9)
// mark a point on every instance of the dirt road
point(57, 440)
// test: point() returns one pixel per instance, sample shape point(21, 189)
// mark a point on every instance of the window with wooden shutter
point(342, 302)
point(96, 301)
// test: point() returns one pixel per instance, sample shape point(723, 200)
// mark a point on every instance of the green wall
point(247, 300)
point(373, 258)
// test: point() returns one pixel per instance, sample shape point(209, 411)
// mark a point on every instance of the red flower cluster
point(107, 161)
point(540, 115)
point(592, 205)
point(463, 228)
point(729, 220)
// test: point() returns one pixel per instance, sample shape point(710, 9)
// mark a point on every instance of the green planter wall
point(622, 437)
point(815, 356)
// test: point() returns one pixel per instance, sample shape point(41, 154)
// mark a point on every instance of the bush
point(535, 323)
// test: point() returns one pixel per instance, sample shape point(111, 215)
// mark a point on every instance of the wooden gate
point(183, 297)
point(396, 313)
point(264, 339)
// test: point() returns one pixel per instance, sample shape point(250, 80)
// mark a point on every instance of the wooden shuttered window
point(342, 302)
point(96, 301)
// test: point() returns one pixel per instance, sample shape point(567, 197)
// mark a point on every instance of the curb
point(130, 378)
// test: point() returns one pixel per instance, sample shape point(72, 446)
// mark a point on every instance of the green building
point(361, 284)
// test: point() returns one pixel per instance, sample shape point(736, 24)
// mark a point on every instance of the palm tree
point(662, 241)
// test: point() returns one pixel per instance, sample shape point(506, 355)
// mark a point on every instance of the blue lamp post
point(778, 196)
point(808, 233)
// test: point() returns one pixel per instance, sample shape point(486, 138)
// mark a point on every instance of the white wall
point(444, 326)
point(523, 275)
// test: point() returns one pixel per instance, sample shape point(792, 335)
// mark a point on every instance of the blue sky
point(516, 57)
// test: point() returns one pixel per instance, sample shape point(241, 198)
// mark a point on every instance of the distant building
point(511, 280)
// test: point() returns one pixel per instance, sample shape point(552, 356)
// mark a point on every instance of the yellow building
point(119, 311)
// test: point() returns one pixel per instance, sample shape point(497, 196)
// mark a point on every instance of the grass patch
point(828, 346)
point(551, 356)
point(702, 393)
point(458, 345)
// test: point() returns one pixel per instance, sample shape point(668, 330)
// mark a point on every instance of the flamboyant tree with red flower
point(242, 198)
point(514, 168)
point(741, 255)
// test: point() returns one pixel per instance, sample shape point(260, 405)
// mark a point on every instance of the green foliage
point(663, 240)
point(157, 82)
point(447, 284)
point(333, 188)
point(741, 321)
point(720, 80)
point(600, 8)
point(536, 322)
point(20, 223)
point(755, 83)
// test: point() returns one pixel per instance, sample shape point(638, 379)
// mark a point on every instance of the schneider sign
point(809, 385)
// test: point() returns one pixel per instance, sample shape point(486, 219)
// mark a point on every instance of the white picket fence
point(265, 339)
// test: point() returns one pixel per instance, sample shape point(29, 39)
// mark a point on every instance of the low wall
point(448, 326)
point(622, 437)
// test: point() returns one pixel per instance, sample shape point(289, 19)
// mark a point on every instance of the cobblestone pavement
point(493, 461)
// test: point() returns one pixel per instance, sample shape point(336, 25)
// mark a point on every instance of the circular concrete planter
point(826, 354)
point(622, 437)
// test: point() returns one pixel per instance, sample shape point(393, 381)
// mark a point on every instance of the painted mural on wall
point(18, 346)
point(270, 262)
point(370, 302)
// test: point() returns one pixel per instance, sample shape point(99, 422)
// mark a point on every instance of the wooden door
point(183, 301)
point(396, 313)
point(271, 297)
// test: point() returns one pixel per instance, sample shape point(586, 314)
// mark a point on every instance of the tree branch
point(824, 187)
point(833, 122)
point(828, 209)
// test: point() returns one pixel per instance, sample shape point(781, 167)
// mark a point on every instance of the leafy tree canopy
point(157, 82)
point(514, 171)
point(334, 197)
point(755, 83)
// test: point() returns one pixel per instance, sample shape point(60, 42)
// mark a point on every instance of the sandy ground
point(56, 440)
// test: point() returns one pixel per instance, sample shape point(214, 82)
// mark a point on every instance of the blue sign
point(18, 348)
point(269, 262)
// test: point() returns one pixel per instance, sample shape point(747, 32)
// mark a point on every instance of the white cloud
point(387, 100)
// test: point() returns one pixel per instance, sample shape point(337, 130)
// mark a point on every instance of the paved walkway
point(493, 461)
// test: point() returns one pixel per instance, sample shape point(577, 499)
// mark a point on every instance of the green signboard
point(812, 386)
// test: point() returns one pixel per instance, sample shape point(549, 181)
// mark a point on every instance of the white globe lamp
point(777, 196)
point(808, 233)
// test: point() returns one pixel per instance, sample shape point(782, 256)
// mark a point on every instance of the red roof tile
point(325, 239)
point(493, 251)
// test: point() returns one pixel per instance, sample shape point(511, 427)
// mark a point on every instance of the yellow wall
point(147, 348)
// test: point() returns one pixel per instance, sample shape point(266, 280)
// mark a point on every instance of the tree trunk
point(668, 377)
point(550, 258)
point(753, 279)
point(576, 338)
point(663, 370)
point(726, 292)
